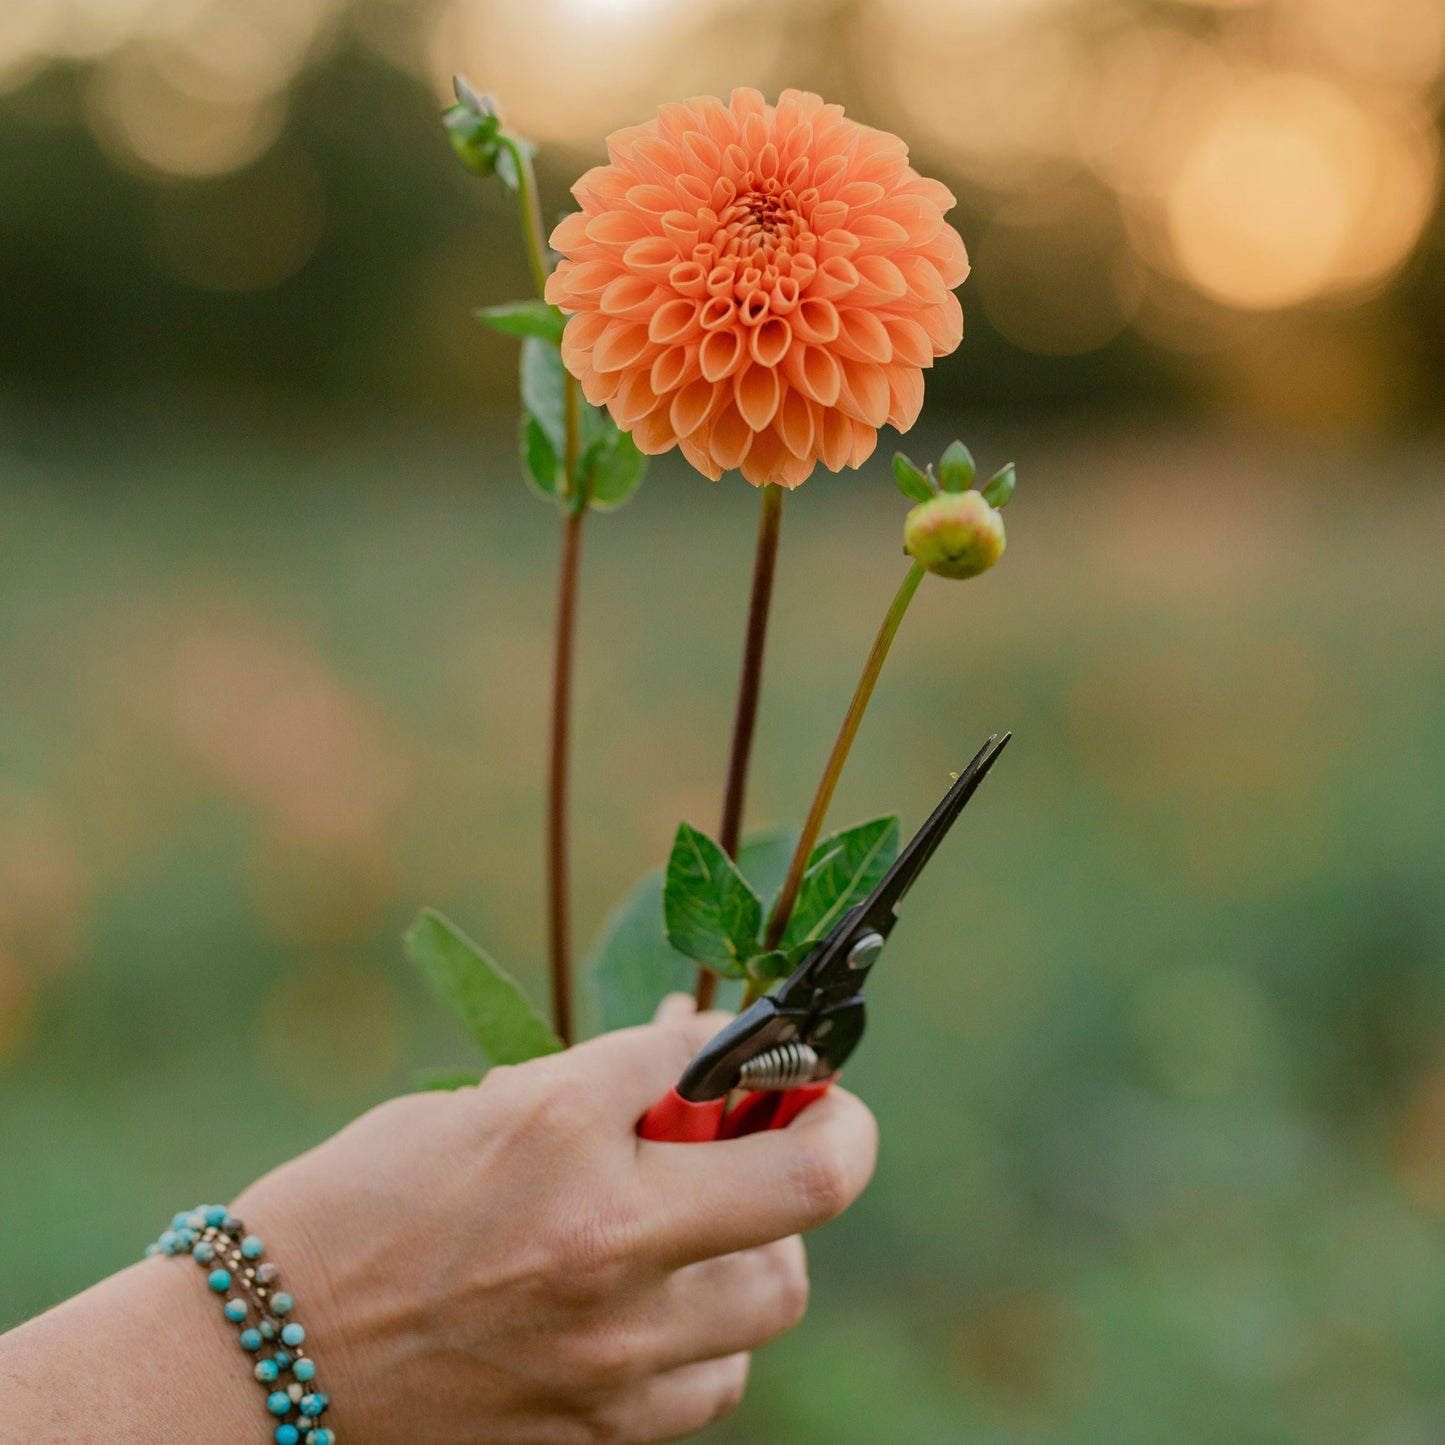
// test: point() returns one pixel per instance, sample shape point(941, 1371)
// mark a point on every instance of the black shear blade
point(831, 964)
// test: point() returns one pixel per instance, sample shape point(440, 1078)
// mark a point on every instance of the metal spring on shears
point(786, 1067)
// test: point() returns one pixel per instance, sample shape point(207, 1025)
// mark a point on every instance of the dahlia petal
point(878, 231)
point(944, 324)
point(909, 340)
point(633, 399)
point(692, 406)
point(634, 297)
point(753, 309)
point(919, 219)
point(921, 282)
point(828, 216)
point(674, 321)
point(755, 134)
point(815, 320)
point(879, 281)
point(602, 186)
point(730, 437)
point(863, 336)
point(717, 313)
point(699, 459)
point(688, 278)
point(864, 396)
point(654, 433)
point(837, 277)
point(946, 251)
point(682, 229)
point(757, 392)
point(795, 423)
point(835, 443)
point(838, 242)
point(815, 372)
point(652, 256)
point(784, 296)
point(720, 354)
point(769, 342)
point(622, 344)
point(569, 232)
point(764, 461)
point(599, 387)
point(675, 367)
point(864, 442)
point(857, 195)
point(590, 278)
point(618, 228)
point(794, 471)
point(828, 175)
point(651, 198)
point(584, 330)
point(746, 101)
point(694, 190)
point(905, 395)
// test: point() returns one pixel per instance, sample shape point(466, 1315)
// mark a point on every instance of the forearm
point(143, 1356)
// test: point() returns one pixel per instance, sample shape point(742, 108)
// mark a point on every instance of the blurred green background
point(1159, 1054)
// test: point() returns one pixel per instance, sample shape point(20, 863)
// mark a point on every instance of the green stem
point(783, 908)
point(745, 715)
point(559, 920)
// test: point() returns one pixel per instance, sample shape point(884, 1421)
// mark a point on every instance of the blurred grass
point(1159, 1053)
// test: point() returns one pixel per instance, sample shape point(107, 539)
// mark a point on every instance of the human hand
point(511, 1265)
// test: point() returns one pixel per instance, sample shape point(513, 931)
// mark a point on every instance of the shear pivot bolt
point(862, 954)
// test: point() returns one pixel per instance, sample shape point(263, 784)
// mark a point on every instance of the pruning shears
point(786, 1049)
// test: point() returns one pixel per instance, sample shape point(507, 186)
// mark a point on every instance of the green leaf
point(610, 469)
point(631, 965)
point(438, 1081)
point(769, 967)
point(540, 464)
point(487, 1000)
point(911, 482)
point(524, 318)
point(1000, 487)
point(543, 386)
point(842, 872)
point(711, 912)
point(955, 468)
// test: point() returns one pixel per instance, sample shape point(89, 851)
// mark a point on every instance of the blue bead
point(305, 1370)
point(287, 1435)
point(282, 1359)
point(252, 1246)
point(291, 1335)
point(170, 1242)
point(251, 1341)
point(215, 1215)
point(152, 1250)
point(267, 1371)
point(196, 1220)
point(320, 1437)
point(268, 1330)
point(187, 1237)
point(178, 1221)
point(219, 1280)
point(282, 1304)
point(235, 1310)
point(279, 1402)
point(203, 1253)
point(231, 1224)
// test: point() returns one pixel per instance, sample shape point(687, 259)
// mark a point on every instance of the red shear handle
point(674, 1120)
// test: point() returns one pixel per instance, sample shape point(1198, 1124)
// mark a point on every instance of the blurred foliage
point(1159, 1047)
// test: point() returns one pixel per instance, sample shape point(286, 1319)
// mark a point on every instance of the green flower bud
point(956, 534)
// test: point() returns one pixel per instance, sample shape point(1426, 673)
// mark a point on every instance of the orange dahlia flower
point(762, 286)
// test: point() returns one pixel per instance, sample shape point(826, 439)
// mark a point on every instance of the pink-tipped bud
point(955, 534)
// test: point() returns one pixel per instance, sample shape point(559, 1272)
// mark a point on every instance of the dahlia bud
point(473, 127)
point(955, 534)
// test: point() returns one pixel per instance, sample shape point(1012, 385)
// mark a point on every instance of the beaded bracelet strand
point(218, 1242)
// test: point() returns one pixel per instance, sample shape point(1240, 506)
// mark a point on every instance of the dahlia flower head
point(762, 286)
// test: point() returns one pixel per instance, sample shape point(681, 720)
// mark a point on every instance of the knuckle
point(793, 1290)
point(606, 1359)
point(822, 1181)
point(596, 1250)
point(731, 1390)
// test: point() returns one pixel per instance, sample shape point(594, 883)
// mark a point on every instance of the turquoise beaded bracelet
point(218, 1242)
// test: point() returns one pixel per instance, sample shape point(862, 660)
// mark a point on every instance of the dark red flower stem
point(745, 716)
